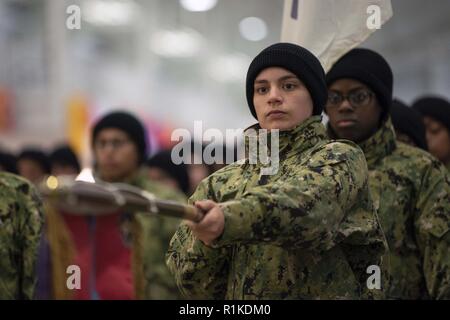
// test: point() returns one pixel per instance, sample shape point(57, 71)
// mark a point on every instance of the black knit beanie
point(368, 67)
point(36, 155)
point(163, 161)
point(8, 162)
point(129, 124)
point(436, 107)
point(297, 60)
point(409, 121)
point(64, 155)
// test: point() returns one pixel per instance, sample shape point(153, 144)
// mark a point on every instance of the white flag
point(331, 28)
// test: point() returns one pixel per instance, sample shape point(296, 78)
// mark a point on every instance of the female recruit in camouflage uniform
point(409, 187)
point(307, 232)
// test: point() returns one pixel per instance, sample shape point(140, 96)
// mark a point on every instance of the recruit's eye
point(360, 97)
point(435, 130)
point(261, 90)
point(334, 98)
point(289, 86)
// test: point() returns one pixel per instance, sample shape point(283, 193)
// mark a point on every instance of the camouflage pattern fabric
point(21, 222)
point(412, 195)
point(155, 233)
point(307, 232)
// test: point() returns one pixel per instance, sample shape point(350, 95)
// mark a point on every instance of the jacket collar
point(302, 137)
point(380, 144)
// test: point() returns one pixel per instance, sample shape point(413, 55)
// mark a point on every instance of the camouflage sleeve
point(200, 272)
point(23, 224)
point(160, 190)
point(159, 283)
point(432, 231)
point(303, 210)
point(156, 233)
point(364, 245)
point(172, 195)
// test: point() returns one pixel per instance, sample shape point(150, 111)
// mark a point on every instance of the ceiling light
point(253, 28)
point(198, 5)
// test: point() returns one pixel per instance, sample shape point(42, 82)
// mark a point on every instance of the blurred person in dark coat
point(408, 125)
point(436, 115)
point(64, 161)
point(8, 162)
point(33, 164)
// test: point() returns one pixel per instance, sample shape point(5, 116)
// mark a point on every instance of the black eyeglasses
point(357, 98)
